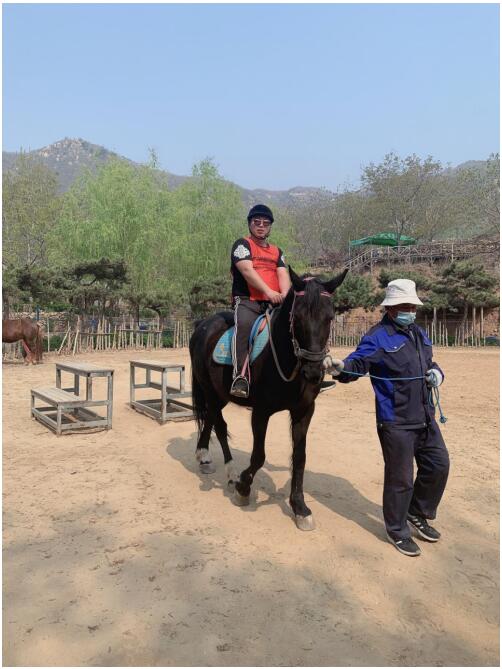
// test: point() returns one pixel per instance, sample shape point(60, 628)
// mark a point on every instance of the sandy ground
point(118, 552)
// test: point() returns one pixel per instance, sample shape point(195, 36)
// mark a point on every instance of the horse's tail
point(198, 402)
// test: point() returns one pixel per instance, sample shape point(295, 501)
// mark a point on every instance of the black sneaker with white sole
point(423, 529)
point(405, 546)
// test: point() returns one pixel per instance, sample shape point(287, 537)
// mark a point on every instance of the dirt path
point(118, 552)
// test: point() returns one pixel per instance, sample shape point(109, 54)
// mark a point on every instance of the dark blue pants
point(400, 494)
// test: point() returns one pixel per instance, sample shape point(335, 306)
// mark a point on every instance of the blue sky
point(278, 95)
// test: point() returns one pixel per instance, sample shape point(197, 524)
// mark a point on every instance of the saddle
point(258, 339)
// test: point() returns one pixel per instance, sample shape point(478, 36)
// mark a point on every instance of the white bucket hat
point(401, 291)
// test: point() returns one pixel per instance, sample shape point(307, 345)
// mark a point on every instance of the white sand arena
point(118, 552)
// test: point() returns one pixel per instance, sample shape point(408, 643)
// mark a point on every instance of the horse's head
point(311, 316)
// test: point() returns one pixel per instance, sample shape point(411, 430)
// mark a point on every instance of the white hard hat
point(401, 291)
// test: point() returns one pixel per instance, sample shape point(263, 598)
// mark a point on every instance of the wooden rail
point(429, 252)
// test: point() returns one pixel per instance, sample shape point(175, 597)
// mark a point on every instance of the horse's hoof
point(240, 500)
point(206, 468)
point(305, 523)
point(231, 485)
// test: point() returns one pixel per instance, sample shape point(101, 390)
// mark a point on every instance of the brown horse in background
point(30, 334)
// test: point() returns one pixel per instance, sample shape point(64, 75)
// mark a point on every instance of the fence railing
point(426, 252)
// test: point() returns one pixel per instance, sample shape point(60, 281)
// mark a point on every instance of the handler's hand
point(433, 378)
point(333, 365)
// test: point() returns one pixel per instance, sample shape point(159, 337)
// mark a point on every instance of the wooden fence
point(89, 335)
point(441, 333)
point(125, 335)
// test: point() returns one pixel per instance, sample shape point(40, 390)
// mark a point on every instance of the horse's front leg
point(300, 422)
point(259, 423)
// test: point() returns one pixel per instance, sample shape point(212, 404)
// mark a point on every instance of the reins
point(300, 353)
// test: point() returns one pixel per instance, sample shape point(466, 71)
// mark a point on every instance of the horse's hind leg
point(259, 423)
point(220, 427)
point(202, 451)
point(29, 356)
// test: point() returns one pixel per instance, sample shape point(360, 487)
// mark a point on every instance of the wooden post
point(132, 384)
point(48, 336)
point(62, 343)
point(88, 387)
point(58, 420)
point(473, 325)
point(482, 326)
point(163, 400)
point(109, 407)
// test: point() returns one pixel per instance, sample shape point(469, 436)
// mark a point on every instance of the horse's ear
point(331, 285)
point(298, 284)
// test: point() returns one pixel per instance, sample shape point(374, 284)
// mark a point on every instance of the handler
point(260, 278)
point(406, 425)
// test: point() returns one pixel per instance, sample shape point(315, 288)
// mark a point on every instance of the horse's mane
point(313, 289)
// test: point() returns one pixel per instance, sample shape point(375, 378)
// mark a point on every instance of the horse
point(30, 334)
point(286, 376)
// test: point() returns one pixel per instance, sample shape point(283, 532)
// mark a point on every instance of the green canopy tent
point(384, 239)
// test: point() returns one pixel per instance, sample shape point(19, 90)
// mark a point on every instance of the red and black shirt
point(265, 259)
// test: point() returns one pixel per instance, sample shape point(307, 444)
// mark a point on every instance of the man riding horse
point(260, 278)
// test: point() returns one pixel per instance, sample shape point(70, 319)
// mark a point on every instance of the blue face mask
point(405, 317)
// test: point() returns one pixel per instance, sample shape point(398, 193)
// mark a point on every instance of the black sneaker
point(240, 387)
point(405, 546)
point(424, 530)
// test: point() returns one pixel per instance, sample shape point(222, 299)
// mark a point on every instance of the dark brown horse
point(29, 333)
point(286, 377)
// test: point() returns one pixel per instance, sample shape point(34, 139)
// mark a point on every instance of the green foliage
point(466, 284)
point(405, 196)
point(355, 291)
point(422, 281)
point(478, 198)
point(30, 209)
point(97, 282)
point(116, 213)
point(209, 297)
point(399, 190)
point(458, 286)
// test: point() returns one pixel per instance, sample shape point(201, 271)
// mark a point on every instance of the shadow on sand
point(334, 492)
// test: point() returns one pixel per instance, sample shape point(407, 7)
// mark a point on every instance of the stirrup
point(240, 392)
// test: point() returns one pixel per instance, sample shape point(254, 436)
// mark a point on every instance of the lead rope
point(433, 395)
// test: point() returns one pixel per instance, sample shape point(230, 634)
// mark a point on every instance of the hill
point(68, 157)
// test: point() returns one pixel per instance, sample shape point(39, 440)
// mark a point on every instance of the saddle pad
point(222, 353)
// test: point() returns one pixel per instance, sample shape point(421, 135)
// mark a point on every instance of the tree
point(117, 213)
point(399, 190)
point(478, 197)
point(30, 209)
point(355, 291)
point(465, 284)
point(100, 282)
point(210, 297)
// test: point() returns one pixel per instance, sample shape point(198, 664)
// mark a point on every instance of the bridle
point(301, 354)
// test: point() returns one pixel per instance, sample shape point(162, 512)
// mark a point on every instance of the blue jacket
point(390, 351)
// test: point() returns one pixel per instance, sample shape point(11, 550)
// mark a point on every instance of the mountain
point(69, 157)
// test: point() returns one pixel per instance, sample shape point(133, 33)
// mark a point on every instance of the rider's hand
point(433, 378)
point(274, 297)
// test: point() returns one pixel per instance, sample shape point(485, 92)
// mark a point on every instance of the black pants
point(245, 313)
point(400, 494)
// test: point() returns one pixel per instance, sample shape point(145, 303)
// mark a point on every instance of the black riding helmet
point(260, 210)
